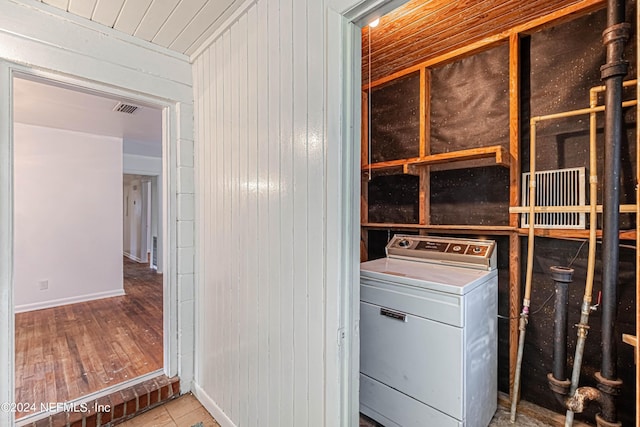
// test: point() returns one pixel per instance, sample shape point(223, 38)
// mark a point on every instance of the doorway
point(87, 320)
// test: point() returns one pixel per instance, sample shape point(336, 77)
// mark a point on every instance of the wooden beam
point(571, 209)
point(514, 200)
point(495, 151)
point(424, 188)
point(364, 130)
point(453, 229)
point(558, 233)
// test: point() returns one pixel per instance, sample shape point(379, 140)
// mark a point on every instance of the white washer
point(428, 333)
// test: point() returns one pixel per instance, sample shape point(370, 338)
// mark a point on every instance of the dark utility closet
point(573, 95)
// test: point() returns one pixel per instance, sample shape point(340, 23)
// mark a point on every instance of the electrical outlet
point(44, 285)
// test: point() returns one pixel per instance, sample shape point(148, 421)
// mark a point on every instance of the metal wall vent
point(121, 107)
point(560, 187)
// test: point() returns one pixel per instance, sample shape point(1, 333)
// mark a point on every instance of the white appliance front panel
point(416, 356)
point(439, 306)
point(394, 409)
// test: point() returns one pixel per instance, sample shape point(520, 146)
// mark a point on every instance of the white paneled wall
point(260, 212)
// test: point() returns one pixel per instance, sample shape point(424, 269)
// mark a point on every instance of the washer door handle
point(393, 314)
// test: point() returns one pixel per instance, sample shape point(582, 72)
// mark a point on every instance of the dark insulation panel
point(395, 119)
point(474, 196)
point(470, 102)
point(394, 199)
point(559, 66)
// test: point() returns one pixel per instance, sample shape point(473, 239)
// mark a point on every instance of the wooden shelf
point(409, 166)
point(466, 229)
point(557, 233)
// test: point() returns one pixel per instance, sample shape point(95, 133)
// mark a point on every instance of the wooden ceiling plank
point(60, 4)
point(177, 22)
point(198, 25)
point(106, 12)
point(220, 11)
point(460, 40)
point(132, 13)
point(479, 24)
point(438, 11)
point(154, 18)
point(82, 8)
point(471, 34)
point(394, 21)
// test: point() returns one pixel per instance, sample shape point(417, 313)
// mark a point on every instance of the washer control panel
point(472, 253)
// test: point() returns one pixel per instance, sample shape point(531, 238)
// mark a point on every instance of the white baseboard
point(134, 258)
point(212, 407)
point(70, 300)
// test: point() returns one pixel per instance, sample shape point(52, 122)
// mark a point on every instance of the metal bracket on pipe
point(611, 387)
point(602, 423)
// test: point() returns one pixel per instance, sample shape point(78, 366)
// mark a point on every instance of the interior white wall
point(37, 38)
point(67, 217)
point(135, 164)
point(260, 127)
point(277, 208)
point(278, 213)
point(132, 218)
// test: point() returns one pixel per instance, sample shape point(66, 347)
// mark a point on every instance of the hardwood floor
point(63, 353)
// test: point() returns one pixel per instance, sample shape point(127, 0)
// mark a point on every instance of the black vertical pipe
point(613, 72)
point(614, 38)
point(562, 276)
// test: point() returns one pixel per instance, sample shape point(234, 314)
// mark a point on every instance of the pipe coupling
point(613, 69)
point(600, 422)
point(524, 320)
point(581, 398)
point(583, 329)
point(561, 274)
point(616, 32)
point(610, 387)
point(558, 386)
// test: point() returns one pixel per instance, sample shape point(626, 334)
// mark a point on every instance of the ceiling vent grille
point(121, 107)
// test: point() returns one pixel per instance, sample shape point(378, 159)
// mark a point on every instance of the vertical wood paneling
point(315, 212)
point(261, 350)
point(275, 305)
point(244, 308)
point(218, 206)
point(265, 375)
point(202, 188)
point(228, 295)
point(300, 223)
point(286, 211)
point(251, 260)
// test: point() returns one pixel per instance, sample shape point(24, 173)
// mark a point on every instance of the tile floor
point(184, 411)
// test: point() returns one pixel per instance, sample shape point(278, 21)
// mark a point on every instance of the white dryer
point(428, 333)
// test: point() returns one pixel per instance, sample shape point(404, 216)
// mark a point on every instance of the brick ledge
point(118, 406)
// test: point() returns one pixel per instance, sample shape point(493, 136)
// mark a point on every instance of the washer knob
point(477, 250)
point(404, 243)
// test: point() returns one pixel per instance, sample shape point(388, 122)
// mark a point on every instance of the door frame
point(169, 179)
point(345, 20)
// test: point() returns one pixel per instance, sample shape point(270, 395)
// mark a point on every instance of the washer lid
point(443, 278)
